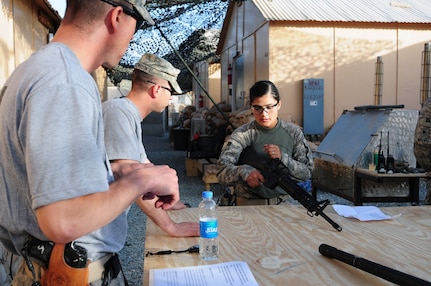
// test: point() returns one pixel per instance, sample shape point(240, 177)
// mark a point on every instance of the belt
point(96, 268)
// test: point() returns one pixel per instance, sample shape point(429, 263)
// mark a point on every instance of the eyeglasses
point(167, 88)
point(129, 9)
point(260, 109)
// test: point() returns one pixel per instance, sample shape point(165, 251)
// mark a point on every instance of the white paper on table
point(233, 273)
point(363, 213)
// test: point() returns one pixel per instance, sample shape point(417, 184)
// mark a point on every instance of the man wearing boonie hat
point(154, 80)
point(61, 208)
point(157, 67)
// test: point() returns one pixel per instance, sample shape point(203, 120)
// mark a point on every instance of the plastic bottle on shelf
point(208, 244)
point(376, 157)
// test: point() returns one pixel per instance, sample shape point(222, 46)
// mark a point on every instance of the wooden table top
point(281, 244)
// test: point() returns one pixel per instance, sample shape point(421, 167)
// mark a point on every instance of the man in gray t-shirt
point(56, 183)
point(153, 82)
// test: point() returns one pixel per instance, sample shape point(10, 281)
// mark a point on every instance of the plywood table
point(280, 244)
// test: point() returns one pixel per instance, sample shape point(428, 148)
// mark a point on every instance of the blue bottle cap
point(207, 194)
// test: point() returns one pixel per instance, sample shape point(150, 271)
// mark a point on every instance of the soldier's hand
point(255, 179)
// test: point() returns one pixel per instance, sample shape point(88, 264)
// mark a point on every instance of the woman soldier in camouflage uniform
point(270, 137)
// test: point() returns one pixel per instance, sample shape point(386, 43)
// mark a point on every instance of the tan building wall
point(214, 74)
point(101, 79)
point(209, 77)
point(343, 54)
point(345, 58)
point(7, 59)
point(25, 27)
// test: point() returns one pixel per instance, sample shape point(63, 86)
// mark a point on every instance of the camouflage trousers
point(253, 202)
point(230, 198)
point(242, 190)
point(9, 264)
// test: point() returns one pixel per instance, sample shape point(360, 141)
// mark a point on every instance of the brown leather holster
point(59, 273)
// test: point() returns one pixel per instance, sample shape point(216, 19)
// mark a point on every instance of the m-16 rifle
point(276, 173)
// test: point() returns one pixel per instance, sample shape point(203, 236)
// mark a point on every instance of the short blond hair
point(85, 12)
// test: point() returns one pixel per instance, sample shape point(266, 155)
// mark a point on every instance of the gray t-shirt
point(123, 130)
point(52, 147)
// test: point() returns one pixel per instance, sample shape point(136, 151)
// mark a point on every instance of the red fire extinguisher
point(229, 78)
point(201, 101)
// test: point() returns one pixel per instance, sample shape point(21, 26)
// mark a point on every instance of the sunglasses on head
point(129, 9)
point(164, 87)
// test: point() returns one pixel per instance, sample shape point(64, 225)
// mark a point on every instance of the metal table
point(361, 174)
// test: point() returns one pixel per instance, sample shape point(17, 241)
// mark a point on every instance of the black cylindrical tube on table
point(379, 270)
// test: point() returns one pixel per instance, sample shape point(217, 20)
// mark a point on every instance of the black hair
point(261, 88)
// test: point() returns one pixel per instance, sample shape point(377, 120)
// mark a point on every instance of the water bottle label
point(208, 228)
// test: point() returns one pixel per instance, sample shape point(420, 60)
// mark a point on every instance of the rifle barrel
point(276, 173)
point(389, 274)
point(333, 223)
point(313, 206)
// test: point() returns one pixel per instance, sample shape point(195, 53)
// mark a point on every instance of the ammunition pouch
point(38, 250)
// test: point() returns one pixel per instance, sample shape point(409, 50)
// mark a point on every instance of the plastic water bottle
point(208, 245)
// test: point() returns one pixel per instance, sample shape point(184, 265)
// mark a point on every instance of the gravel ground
point(160, 151)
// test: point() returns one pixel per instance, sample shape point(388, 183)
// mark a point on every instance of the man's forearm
point(162, 219)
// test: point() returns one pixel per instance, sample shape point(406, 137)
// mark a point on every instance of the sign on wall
point(313, 91)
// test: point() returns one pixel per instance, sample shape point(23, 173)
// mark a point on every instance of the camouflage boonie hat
point(161, 68)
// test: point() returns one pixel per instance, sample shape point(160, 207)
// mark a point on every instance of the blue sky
point(59, 5)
